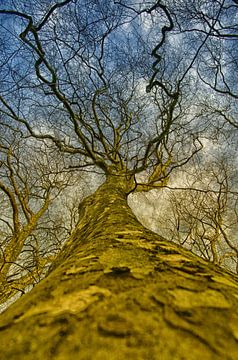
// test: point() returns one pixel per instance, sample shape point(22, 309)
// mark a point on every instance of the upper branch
point(165, 29)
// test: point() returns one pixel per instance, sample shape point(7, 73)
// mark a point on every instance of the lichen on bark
point(119, 291)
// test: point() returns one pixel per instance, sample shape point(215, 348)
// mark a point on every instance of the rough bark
point(118, 291)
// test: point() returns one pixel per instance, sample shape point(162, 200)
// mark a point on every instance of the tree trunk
point(119, 291)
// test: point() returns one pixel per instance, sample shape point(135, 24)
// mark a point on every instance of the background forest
point(89, 86)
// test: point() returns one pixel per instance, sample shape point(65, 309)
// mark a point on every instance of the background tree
point(29, 182)
point(201, 212)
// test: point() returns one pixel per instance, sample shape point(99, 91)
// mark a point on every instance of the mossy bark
point(118, 291)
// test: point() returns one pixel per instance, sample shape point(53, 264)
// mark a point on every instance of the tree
point(28, 186)
point(116, 290)
point(203, 214)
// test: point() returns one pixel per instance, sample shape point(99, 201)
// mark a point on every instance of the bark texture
point(118, 291)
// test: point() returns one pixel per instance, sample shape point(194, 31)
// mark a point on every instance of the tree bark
point(119, 291)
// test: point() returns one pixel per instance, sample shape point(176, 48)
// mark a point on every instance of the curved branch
point(165, 29)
